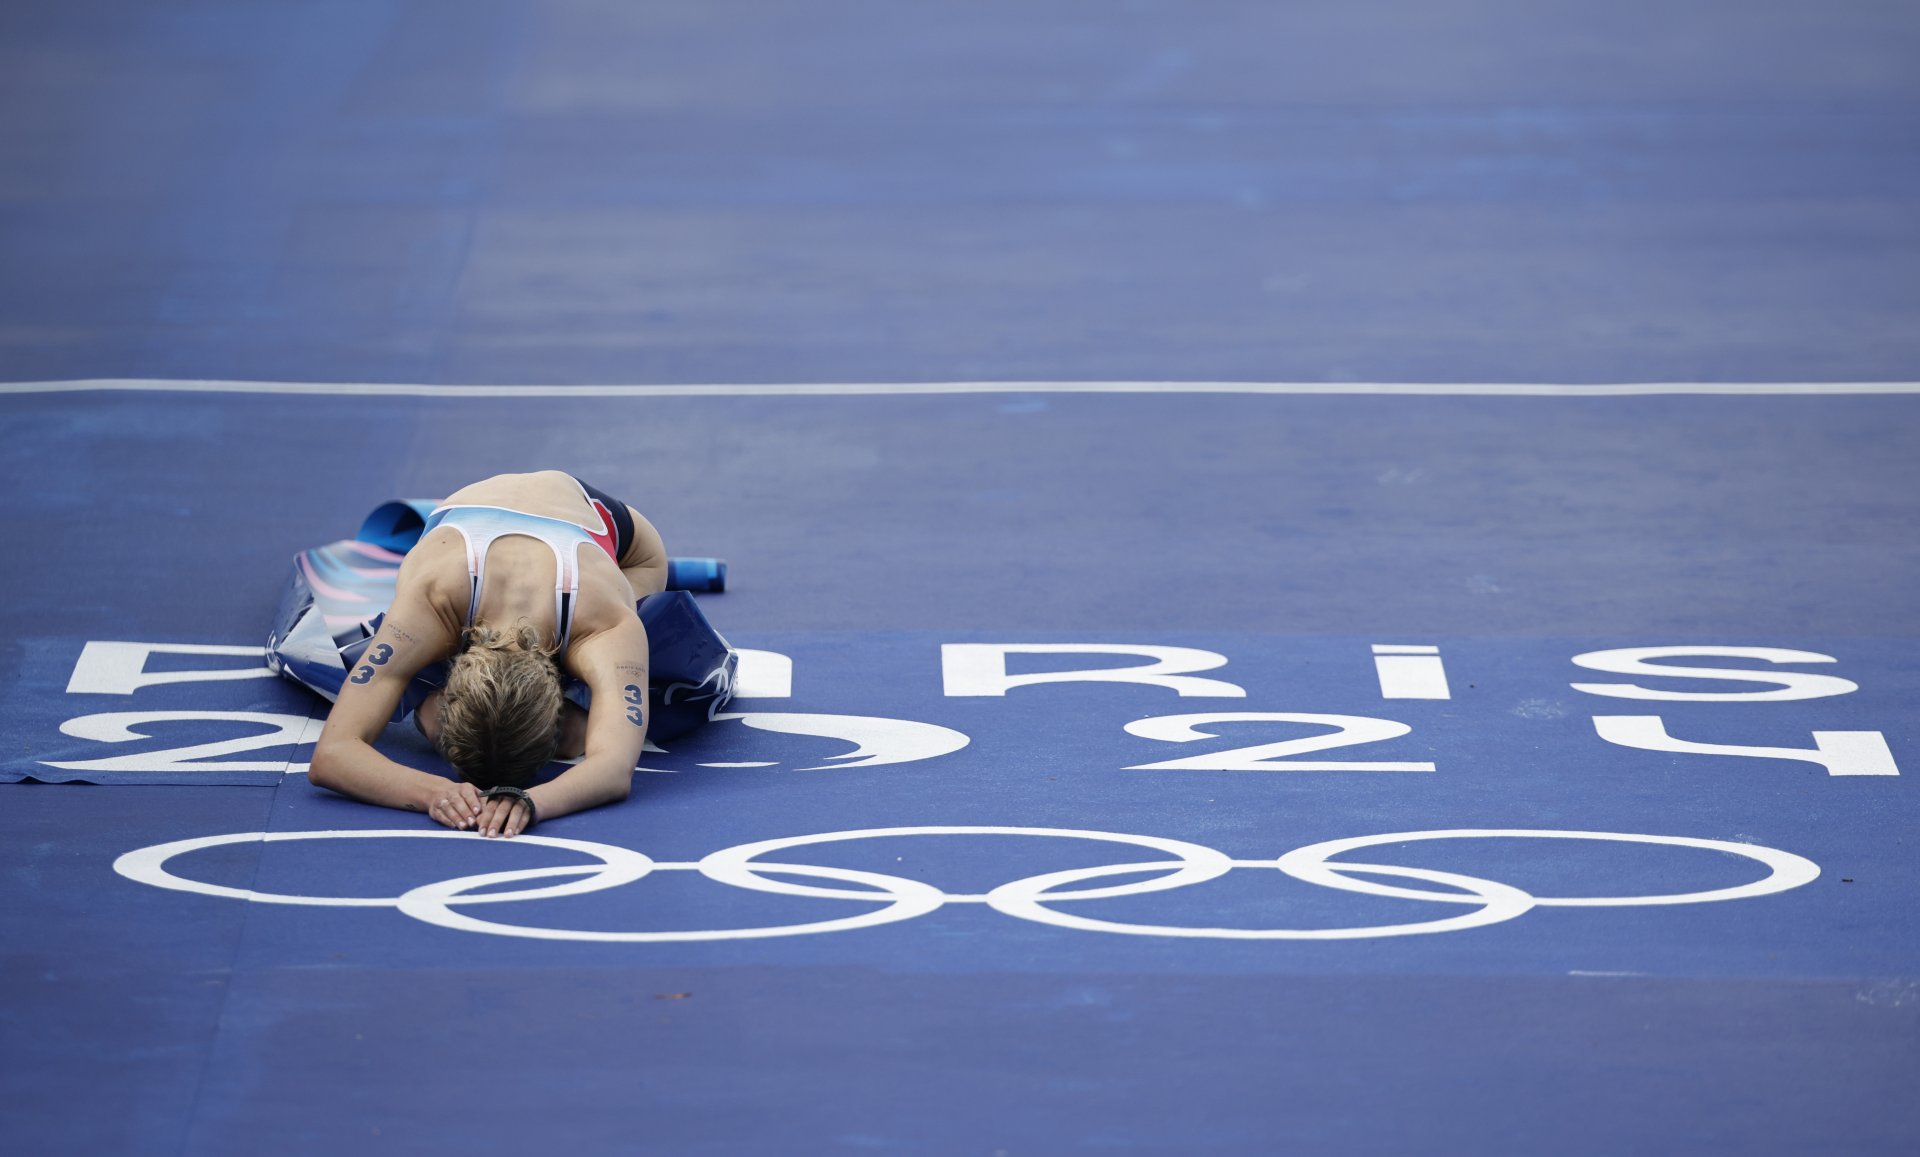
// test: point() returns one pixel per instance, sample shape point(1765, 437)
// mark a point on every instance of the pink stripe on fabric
point(324, 587)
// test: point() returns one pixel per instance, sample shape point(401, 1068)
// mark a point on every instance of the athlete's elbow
point(324, 769)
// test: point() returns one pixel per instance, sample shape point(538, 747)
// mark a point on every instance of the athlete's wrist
point(522, 796)
point(424, 791)
point(538, 797)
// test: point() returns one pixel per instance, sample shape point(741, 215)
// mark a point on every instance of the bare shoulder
point(432, 583)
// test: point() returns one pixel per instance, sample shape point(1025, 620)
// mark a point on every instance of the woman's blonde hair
point(500, 721)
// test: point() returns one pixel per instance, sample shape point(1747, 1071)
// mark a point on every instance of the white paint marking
point(980, 669)
point(1638, 661)
point(1411, 676)
point(1840, 752)
point(762, 675)
point(310, 734)
point(1031, 898)
point(1404, 649)
point(1349, 730)
point(128, 726)
point(878, 741)
point(116, 668)
point(900, 389)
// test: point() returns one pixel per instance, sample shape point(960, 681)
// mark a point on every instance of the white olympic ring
point(1025, 899)
point(148, 865)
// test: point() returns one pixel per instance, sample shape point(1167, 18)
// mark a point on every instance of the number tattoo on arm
point(378, 658)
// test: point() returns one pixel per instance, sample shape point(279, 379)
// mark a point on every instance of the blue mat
point(1001, 891)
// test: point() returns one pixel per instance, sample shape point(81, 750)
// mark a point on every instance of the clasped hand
point(461, 807)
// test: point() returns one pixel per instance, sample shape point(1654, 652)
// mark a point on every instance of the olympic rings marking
point(619, 866)
point(1786, 870)
point(431, 903)
point(1027, 899)
point(734, 865)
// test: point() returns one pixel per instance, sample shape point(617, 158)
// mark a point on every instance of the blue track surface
point(580, 193)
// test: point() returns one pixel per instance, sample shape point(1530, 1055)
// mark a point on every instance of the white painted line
point(308, 735)
point(1404, 649)
point(916, 389)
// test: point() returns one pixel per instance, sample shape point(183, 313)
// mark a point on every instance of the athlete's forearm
point(352, 767)
point(587, 784)
point(613, 664)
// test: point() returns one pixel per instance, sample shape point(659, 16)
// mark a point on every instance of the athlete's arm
point(411, 636)
point(613, 665)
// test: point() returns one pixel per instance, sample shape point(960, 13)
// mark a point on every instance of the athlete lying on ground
point(517, 578)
